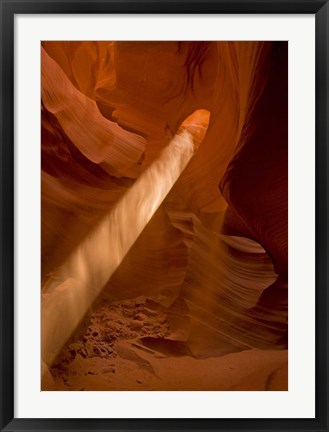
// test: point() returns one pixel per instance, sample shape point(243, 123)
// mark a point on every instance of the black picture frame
point(11, 7)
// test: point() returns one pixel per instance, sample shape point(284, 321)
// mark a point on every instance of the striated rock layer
point(164, 231)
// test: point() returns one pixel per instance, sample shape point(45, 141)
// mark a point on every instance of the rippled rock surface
point(164, 215)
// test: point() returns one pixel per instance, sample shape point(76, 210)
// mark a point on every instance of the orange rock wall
point(214, 254)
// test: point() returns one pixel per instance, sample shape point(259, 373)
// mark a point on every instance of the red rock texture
point(198, 299)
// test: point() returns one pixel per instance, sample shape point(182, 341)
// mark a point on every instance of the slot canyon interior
point(164, 216)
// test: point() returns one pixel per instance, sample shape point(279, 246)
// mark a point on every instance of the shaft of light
point(70, 293)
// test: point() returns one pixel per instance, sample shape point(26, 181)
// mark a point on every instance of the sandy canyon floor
point(123, 346)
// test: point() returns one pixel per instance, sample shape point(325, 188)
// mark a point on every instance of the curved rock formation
point(181, 247)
